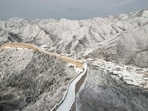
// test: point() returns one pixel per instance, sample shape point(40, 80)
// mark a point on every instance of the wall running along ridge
point(35, 48)
point(77, 87)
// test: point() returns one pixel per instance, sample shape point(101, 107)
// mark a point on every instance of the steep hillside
point(31, 80)
point(130, 47)
point(102, 92)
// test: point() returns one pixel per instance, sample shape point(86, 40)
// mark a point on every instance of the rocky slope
point(31, 80)
point(102, 92)
point(108, 38)
point(130, 47)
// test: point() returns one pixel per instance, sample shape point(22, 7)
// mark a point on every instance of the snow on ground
point(129, 74)
point(69, 98)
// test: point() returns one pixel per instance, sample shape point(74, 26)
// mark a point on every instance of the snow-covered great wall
point(68, 101)
point(108, 38)
point(115, 49)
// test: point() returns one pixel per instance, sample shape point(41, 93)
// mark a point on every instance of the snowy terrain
point(107, 38)
point(31, 80)
point(42, 56)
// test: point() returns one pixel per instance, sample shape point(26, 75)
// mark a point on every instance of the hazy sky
point(71, 9)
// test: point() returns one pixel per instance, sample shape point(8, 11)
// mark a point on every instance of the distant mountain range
point(122, 39)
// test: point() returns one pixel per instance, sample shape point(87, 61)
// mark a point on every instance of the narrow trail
point(35, 48)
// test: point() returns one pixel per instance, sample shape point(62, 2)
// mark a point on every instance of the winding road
point(35, 48)
point(68, 101)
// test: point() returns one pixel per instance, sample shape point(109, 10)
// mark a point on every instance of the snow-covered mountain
point(32, 79)
point(121, 39)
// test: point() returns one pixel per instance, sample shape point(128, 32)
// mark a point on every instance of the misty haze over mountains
point(70, 9)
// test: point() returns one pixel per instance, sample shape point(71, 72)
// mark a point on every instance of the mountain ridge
point(101, 36)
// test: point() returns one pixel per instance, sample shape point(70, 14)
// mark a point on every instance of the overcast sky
point(70, 9)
